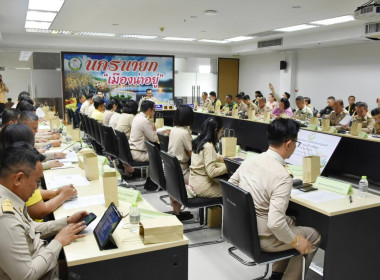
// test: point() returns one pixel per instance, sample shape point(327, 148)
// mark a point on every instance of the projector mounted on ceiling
point(369, 11)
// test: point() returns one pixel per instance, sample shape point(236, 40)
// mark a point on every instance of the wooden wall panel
point(228, 77)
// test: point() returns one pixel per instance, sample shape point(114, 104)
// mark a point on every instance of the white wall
point(17, 81)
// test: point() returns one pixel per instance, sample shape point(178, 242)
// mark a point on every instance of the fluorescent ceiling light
point(139, 36)
point(336, 20)
point(40, 16)
point(214, 41)
point(37, 24)
point(296, 28)
point(204, 68)
point(178, 39)
point(25, 55)
point(65, 32)
point(45, 5)
point(38, 30)
point(95, 34)
point(240, 38)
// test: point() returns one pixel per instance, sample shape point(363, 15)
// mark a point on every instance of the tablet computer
point(106, 226)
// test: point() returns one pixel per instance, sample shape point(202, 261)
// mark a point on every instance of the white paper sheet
point(346, 120)
point(65, 165)
point(59, 181)
point(83, 202)
point(70, 157)
point(320, 196)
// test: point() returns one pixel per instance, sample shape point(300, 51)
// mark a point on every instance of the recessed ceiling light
point(61, 32)
point(214, 41)
point(296, 28)
point(38, 30)
point(40, 16)
point(178, 39)
point(45, 5)
point(240, 38)
point(210, 12)
point(115, 24)
point(193, 16)
point(336, 20)
point(139, 36)
point(25, 55)
point(37, 24)
point(98, 34)
point(296, 7)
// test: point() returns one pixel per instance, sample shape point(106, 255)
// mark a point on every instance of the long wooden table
point(132, 259)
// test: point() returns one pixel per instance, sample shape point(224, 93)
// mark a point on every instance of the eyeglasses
point(298, 143)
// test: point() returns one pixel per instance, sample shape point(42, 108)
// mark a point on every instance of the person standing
point(3, 90)
point(351, 105)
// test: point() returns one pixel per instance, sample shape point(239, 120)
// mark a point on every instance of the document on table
point(83, 202)
point(320, 196)
point(59, 181)
point(70, 157)
point(65, 165)
point(346, 120)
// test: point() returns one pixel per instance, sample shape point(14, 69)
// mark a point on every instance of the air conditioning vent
point(269, 43)
point(367, 10)
point(372, 27)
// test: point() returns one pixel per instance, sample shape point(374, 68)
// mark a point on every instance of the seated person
point(230, 104)
point(86, 104)
point(80, 100)
point(272, 102)
point(250, 105)
point(206, 163)
point(25, 106)
point(303, 113)
point(28, 255)
point(124, 123)
point(351, 105)
point(216, 103)
point(376, 116)
point(99, 106)
point(148, 96)
point(276, 95)
point(267, 179)
point(258, 95)
point(338, 114)
point(364, 117)
point(242, 108)
point(142, 130)
point(329, 108)
point(9, 116)
point(308, 103)
point(110, 110)
point(101, 95)
point(115, 117)
point(283, 110)
point(262, 107)
point(206, 102)
point(180, 145)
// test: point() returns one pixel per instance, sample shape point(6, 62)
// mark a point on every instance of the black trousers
point(2, 107)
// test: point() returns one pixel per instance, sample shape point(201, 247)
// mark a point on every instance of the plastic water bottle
point(363, 187)
point(134, 217)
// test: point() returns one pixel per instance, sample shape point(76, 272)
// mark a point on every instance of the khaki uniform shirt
point(206, 104)
point(90, 109)
point(84, 107)
point(376, 128)
point(266, 178)
point(114, 119)
point(367, 122)
point(107, 117)
point(24, 255)
point(180, 145)
point(2, 93)
point(261, 111)
point(124, 124)
point(204, 167)
point(242, 107)
point(304, 115)
point(154, 100)
point(336, 118)
point(141, 131)
point(253, 106)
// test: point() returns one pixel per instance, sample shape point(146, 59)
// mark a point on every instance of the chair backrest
point(239, 220)
point(123, 147)
point(89, 125)
point(231, 165)
point(95, 128)
point(175, 184)
point(155, 165)
point(99, 125)
point(110, 141)
point(82, 125)
point(164, 141)
point(69, 116)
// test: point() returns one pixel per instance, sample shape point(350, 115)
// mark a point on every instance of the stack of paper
point(59, 181)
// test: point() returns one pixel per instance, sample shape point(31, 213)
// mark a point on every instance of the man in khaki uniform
point(338, 114)
point(267, 179)
point(240, 104)
point(25, 255)
point(149, 96)
point(364, 117)
point(206, 101)
point(3, 90)
point(376, 116)
point(303, 113)
point(250, 105)
point(263, 107)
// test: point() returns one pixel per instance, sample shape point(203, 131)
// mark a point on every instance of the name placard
point(191, 106)
point(312, 127)
point(363, 135)
point(296, 170)
point(332, 130)
point(333, 185)
point(159, 106)
point(129, 195)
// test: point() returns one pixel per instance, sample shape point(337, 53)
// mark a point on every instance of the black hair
point(10, 114)
point(209, 133)
point(246, 97)
point(351, 96)
point(146, 105)
point(375, 112)
point(110, 104)
point(213, 93)
point(98, 101)
point(263, 98)
point(282, 130)
point(23, 93)
point(340, 102)
point(89, 96)
point(25, 106)
point(9, 99)
point(300, 98)
point(205, 93)
point(26, 98)
point(148, 89)
point(183, 116)
point(258, 92)
point(273, 96)
point(120, 106)
point(331, 97)
point(229, 96)
point(19, 157)
point(15, 133)
point(286, 102)
point(27, 116)
point(307, 99)
point(131, 107)
point(287, 94)
point(239, 95)
point(362, 104)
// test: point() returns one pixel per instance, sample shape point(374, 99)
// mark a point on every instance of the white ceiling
point(234, 18)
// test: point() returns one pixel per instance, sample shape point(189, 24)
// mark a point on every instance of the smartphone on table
point(48, 146)
point(89, 219)
point(306, 187)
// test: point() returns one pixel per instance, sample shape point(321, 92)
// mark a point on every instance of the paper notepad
point(65, 165)
point(83, 202)
point(59, 181)
point(320, 196)
point(70, 157)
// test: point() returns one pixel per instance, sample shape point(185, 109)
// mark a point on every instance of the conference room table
point(132, 259)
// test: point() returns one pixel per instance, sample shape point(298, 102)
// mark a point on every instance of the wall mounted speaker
point(282, 65)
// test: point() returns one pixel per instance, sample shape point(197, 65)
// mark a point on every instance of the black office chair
point(109, 141)
point(175, 186)
point(164, 141)
point(240, 229)
point(156, 170)
point(69, 116)
point(231, 165)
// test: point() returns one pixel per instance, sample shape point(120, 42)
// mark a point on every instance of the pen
point(350, 197)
